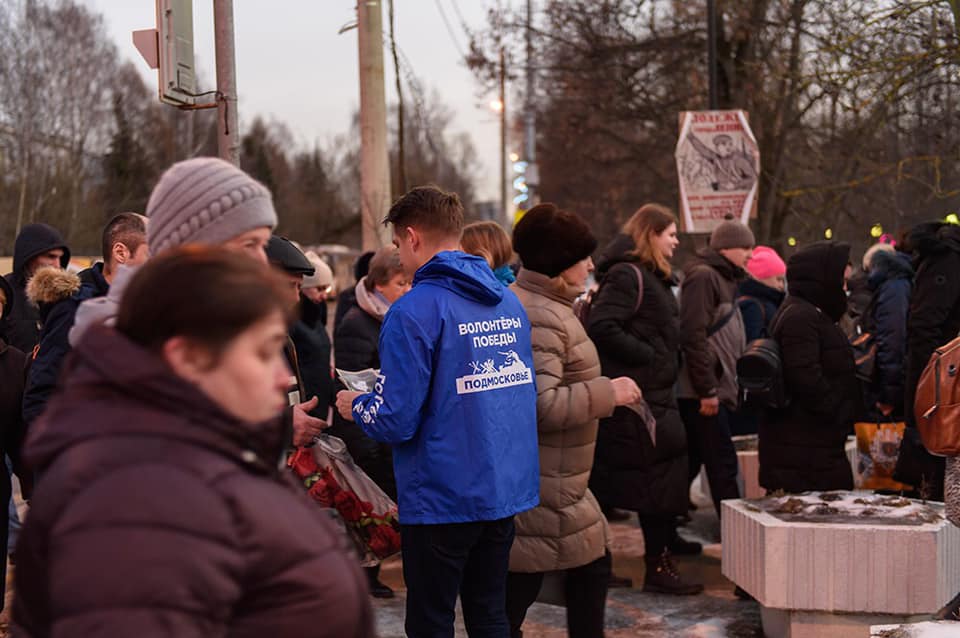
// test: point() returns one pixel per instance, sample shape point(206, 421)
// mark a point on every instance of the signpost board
point(718, 164)
point(169, 48)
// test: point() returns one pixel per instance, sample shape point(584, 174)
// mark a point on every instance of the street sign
point(718, 165)
point(169, 47)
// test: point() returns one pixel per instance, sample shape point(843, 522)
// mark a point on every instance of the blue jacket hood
point(468, 276)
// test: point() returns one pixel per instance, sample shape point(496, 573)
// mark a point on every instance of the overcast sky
point(292, 65)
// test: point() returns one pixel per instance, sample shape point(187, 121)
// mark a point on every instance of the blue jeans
point(443, 561)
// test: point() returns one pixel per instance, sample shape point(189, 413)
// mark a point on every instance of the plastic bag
point(878, 446)
point(333, 480)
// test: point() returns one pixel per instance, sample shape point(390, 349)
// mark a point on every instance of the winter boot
point(377, 588)
point(662, 577)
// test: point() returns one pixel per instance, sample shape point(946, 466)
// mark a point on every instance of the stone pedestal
point(942, 629)
point(837, 578)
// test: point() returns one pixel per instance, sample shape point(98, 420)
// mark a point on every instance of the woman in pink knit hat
point(761, 295)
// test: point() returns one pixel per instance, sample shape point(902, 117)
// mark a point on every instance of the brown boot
point(662, 577)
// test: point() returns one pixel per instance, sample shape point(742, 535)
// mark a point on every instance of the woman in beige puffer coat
point(567, 531)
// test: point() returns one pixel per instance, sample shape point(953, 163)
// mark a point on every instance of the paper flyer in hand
point(359, 381)
point(642, 409)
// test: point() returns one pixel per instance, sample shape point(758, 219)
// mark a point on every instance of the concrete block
point(848, 565)
point(931, 629)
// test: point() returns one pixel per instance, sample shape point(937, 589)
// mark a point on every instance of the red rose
point(367, 508)
point(348, 505)
point(302, 463)
point(323, 493)
point(384, 541)
point(328, 476)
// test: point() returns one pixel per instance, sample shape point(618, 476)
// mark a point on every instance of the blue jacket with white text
point(456, 396)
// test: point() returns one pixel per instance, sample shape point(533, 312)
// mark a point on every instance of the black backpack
point(760, 374)
point(581, 307)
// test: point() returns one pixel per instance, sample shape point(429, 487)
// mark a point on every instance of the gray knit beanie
point(205, 200)
point(732, 234)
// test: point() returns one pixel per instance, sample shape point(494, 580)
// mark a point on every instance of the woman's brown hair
point(384, 266)
point(650, 219)
point(205, 294)
point(488, 240)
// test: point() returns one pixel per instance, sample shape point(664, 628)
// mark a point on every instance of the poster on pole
point(718, 164)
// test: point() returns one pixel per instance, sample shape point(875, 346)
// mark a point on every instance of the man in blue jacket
point(456, 397)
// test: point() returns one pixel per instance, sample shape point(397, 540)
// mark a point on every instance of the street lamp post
point(503, 138)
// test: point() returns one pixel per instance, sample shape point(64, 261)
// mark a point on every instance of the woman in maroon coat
point(161, 509)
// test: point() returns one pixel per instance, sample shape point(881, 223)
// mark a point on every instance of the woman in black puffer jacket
point(635, 324)
point(356, 347)
point(802, 446)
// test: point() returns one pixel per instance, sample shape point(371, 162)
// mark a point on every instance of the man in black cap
point(37, 245)
point(287, 258)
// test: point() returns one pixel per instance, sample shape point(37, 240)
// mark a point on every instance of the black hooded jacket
point(934, 317)
point(802, 446)
point(312, 344)
point(21, 328)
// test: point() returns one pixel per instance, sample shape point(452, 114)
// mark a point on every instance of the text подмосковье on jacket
point(467, 383)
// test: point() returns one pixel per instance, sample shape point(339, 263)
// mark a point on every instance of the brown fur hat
point(550, 240)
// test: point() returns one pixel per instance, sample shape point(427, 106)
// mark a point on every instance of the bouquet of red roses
point(333, 480)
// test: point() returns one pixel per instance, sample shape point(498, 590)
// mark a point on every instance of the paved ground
point(630, 612)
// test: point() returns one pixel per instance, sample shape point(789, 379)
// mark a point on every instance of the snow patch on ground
point(859, 508)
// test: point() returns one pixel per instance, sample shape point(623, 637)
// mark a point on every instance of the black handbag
point(917, 467)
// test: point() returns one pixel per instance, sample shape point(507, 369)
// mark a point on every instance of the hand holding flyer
point(359, 381)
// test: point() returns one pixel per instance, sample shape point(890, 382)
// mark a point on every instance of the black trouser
point(708, 437)
point(585, 588)
point(658, 531)
point(442, 561)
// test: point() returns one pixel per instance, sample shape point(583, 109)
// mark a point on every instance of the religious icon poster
point(718, 164)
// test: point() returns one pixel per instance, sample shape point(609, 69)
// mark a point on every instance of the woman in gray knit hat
point(204, 200)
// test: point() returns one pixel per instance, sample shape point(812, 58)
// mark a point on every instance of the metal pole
point(530, 116)
point(228, 120)
point(712, 53)
point(503, 138)
point(374, 162)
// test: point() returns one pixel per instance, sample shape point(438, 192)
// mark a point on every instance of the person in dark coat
point(293, 265)
point(124, 241)
point(890, 278)
point(310, 337)
point(712, 339)
point(802, 446)
point(356, 347)
point(934, 317)
point(37, 245)
point(12, 378)
point(348, 297)
point(933, 321)
point(161, 507)
point(760, 296)
point(635, 325)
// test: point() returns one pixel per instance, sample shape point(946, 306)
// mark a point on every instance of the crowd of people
point(150, 404)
